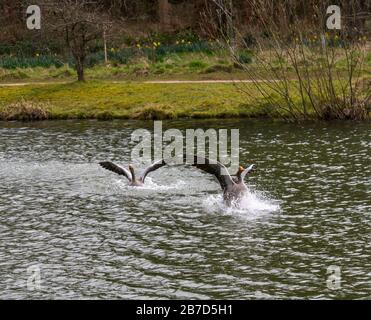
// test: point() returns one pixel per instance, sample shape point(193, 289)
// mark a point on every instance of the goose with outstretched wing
point(130, 174)
point(234, 188)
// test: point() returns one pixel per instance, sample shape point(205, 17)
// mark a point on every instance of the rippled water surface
point(88, 235)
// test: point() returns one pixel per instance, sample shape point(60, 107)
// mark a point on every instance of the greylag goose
point(234, 188)
point(130, 174)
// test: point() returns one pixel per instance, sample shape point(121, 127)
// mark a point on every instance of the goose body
point(233, 188)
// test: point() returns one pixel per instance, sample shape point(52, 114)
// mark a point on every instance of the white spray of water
point(253, 205)
point(151, 185)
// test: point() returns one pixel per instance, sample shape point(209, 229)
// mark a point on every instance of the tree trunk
point(164, 13)
point(80, 69)
point(105, 45)
point(229, 22)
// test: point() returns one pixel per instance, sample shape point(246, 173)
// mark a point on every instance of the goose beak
point(251, 168)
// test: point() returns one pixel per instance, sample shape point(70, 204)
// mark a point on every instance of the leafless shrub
point(78, 23)
point(300, 67)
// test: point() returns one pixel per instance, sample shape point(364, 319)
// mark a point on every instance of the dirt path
point(19, 84)
point(201, 81)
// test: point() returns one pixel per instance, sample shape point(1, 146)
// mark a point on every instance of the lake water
point(70, 229)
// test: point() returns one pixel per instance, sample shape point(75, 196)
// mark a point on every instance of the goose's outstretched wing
point(217, 169)
point(116, 169)
point(154, 166)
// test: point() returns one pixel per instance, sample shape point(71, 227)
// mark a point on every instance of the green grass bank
point(128, 100)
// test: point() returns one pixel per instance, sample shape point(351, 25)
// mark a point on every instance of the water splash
point(253, 204)
point(151, 185)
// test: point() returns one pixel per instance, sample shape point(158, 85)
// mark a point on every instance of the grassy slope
point(135, 100)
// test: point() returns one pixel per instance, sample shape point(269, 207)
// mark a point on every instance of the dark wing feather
point(116, 169)
point(216, 169)
point(154, 166)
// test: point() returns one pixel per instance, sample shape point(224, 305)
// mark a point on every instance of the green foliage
point(245, 57)
point(28, 49)
point(161, 51)
point(169, 38)
point(118, 57)
point(368, 59)
point(154, 47)
point(197, 64)
point(10, 62)
point(153, 53)
point(5, 49)
point(16, 75)
point(249, 40)
point(219, 68)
